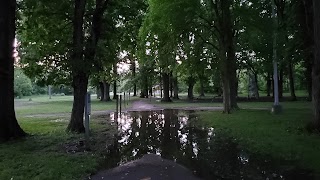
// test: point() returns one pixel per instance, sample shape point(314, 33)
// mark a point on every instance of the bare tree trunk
point(281, 82)
point(226, 93)
point(171, 84)
point(175, 87)
point(9, 127)
point(114, 90)
point(115, 73)
point(233, 76)
point(101, 84)
point(291, 81)
point(106, 91)
point(306, 10)
point(269, 82)
point(98, 92)
point(134, 76)
point(201, 88)
point(166, 97)
point(316, 66)
point(80, 83)
point(80, 78)
point(191, 82)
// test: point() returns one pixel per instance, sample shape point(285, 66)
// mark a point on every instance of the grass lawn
point(57, 104)
point(42, 155)
point(281, 136)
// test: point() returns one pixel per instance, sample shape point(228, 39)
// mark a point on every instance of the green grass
point(42, 155)
point(57, 104)
point(281, 136)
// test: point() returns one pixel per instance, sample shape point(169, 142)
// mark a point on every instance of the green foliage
point(22, 84)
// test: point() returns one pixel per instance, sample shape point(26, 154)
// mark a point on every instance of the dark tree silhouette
point(9, 127)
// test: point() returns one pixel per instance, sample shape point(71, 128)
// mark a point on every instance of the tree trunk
point(101, 85)
point(115, 73)
point(79, 77)
point(256, 81)
point(233, 77)
point(166, 96)
point(134, 76)
point(269, 82)
point(306, 20)
point(9, 127)
point(191, 83)
point(80, 83)
point(106, 91)
point(114, 90)
point(190, 91)
point(175, 88)
point(226, 93)
point(150, 91)
point(281, 82)
point(316, 66)
point(201, 88)
point(98, 92)
point(291, 81)
point(171, 85)
point(144, 92)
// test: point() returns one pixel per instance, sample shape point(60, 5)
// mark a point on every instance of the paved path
point(149, 167)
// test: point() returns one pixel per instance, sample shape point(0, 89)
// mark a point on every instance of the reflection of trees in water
point(167, 133)
point(177, 136)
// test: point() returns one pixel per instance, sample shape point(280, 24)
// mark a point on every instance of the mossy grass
point(43, 154)
point(281, 136)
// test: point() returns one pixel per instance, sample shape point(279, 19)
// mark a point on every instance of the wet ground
point(181, 137)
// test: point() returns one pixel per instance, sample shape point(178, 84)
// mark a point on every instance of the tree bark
point(233, 75)
point(269, 82)
point(306, 21)
point(281, 82)
point(171, 84)
point(114, 90)
point(291, 81)
point(316, 66)
point(166, 95)
point(134, 76)
point(201, 88)
point(98, 91)
point(101, 91)
point(150, 91)
point(9, 127)
point(191, 82)
point(80, 83)
point(115, 73)
point(79, 77)
point(106, 91)
point(144, 92)
point(175, 87)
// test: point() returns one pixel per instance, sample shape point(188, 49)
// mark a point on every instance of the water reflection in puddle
point(180, 136)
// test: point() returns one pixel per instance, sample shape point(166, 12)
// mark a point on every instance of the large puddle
point(180, 136)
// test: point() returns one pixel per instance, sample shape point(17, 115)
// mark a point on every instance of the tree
point(22, 84)
point(316, 66)
point(9, 127)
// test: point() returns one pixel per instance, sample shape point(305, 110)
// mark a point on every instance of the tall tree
point(9, 127)
point(79, 75)
point(316, 66)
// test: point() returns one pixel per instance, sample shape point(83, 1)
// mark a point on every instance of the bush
point(22, 84)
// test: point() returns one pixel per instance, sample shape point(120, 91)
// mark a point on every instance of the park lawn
point(181, 103)
point(281, 136)
point(57, 104)
point(42, 154)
